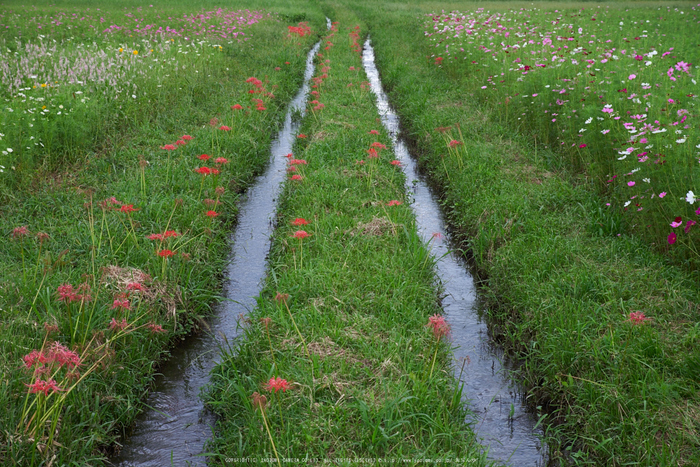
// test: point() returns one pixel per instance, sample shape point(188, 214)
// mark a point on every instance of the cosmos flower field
point(617, 90)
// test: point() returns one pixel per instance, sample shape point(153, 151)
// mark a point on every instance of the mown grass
point(342, 316)
point(560, 282)
point(99, 246)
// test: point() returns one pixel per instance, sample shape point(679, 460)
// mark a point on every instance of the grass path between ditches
point(338, 361)
point(606, 330)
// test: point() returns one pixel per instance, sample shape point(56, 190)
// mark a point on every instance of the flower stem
point(262, 411)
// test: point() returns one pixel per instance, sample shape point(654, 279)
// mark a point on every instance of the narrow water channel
point(503, 423)
point(175, 429)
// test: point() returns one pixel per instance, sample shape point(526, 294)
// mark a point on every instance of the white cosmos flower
point(646, 180)
point(628, 203)
point(690, 197)
point(681, 141)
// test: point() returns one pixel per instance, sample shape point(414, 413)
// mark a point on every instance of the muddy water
point(502, 421)
point(177, 426)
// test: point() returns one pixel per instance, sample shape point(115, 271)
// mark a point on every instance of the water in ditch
point(502, 421)
point(175, 429)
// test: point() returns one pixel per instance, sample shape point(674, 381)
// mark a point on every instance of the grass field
point(562, 138)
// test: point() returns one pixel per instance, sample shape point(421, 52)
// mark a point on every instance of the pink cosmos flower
point(677, 222)
point(662, 194)
point(630, 183)
point(672, 238)
point(688, 225)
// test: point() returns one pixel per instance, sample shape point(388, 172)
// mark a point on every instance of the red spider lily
point(293, 168)
point(203, 170)
point(35, 357)
point(301, 135)
point(127, 208)
point(180, 142)
point(224, 128)
point(221, 160)
point(377, 145)
point(135, 286)
point(166, 253)
point(215, 171)
point(300, 221)
point(66, 293)
point(637, 317)
point(296, 177)
point(237, 107)
point(19, 232)
point(204, 157)
point(373, 132)
point(275, 384)
point(187, 137)
point(289, 156)
point(155, 328)
point(63, 356)
point(439, 326)
point(42, 236)
point(210, 202)
point(360, 162)
point(169, 147)
point(372, 153)
point(120, 325)
point(297, 162)
point(393, 202)
point(124, 303)
point(396, 163)
point(438, 235)
point(170, 233)
point(300, 234)
point(212, 214)
point(454, 143)
point(43, 386)
point(155, 236)
point(438, 60)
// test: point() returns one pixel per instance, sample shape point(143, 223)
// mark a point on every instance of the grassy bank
point(339, 361)
point(606, 329)
point(117, 201)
